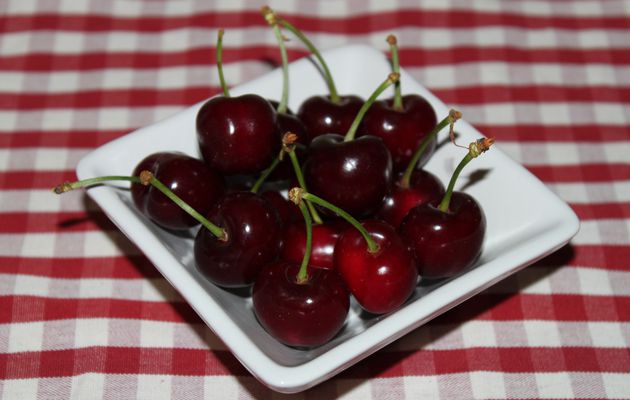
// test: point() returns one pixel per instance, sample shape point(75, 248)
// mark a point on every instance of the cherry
point(252, 239)
point(187, 177)
point(354, 174)
point(402, 121)
point(402, 129)
point(383, 280)
point(324, 114)
point(424, 187)
point(414, 186)
point(305, 314)
point(324, 240)
point(146, 178)
point(372, 259)
point(298, 305)
point(446, 238)
point(286, 210)
point(237, 135)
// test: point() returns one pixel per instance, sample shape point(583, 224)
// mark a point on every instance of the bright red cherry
point(383, 280)
point(187, 177)
point(372, 259)
point(252, 227)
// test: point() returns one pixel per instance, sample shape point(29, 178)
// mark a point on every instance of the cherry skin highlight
point(187, 177)
point(253, 240)
point(382, 281)
point(305, 314)
point(238, 135)
point(353, 175)
point(445, 243)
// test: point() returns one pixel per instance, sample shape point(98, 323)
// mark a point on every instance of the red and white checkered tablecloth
point(84, 315)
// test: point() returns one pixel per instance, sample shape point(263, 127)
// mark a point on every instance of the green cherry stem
point(302, 276)
point(475, 149)
point(449, 120)
point(296, 195)
point(219, 56)
point(391, 79)
point(272, 20)
point(263, 177)
point(300, 178)
point(146, 178)
point(334, 95)
point(393, 47)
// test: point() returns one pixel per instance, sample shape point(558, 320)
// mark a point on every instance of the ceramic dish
point(526, 221)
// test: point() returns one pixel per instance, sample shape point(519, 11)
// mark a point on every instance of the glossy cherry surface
point(321, 115)
point(423, 187)
point(253, 232)
point(187, 177)
point(325, 238)
point(445, 243)
point(238, 135)
point(401, 130)
point(300, 314)
point(382, 281)
point(353, 175)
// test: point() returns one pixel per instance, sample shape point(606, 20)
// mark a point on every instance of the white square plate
point(526, 221)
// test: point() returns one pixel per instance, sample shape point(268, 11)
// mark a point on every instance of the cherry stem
point(146, 178)
point(298, 194)
point(450, 120)
point(393, 46)
point(272, 20)
point(391, 78)
point(219, 56)
point(263, 177)
point(302, 276)
point(475, 149)
point(300, 178)
point(334, 96)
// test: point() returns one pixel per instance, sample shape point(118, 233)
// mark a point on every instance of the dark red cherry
point(187, 177)
point(287, 211)
point(353, 175)
point(305, 314)
point(423, 187)
point(382, 281)
point(445, 243)
point(324, 240)
point(321, 115)
point(253, 240)
point(238, 135)
point(403, 129)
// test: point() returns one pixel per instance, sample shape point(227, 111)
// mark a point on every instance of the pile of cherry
point(363, 218)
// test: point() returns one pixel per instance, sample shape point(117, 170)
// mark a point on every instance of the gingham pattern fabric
point(84, 315)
